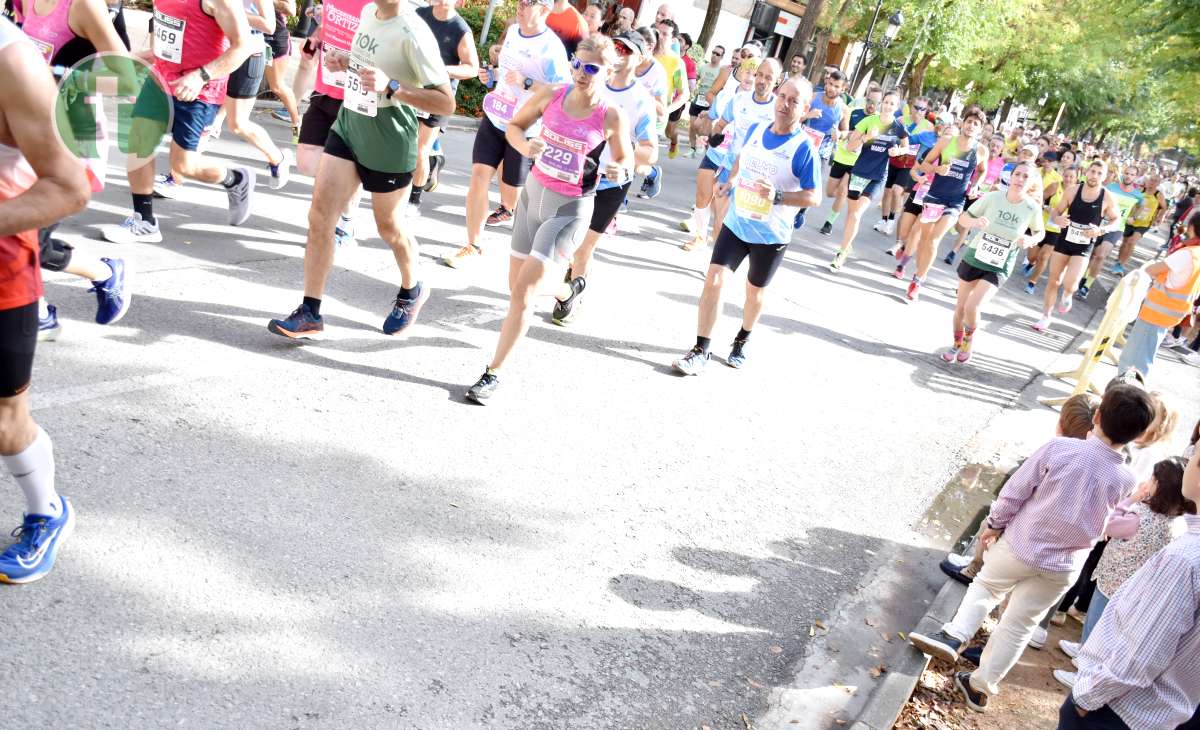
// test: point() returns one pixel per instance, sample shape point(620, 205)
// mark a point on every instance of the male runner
point(706, 75)
point(196, 46)
point(843, 157)
point(899, 180)
point(394, 66)
point(777, 173)
point(40, 182)
point(1152, 211)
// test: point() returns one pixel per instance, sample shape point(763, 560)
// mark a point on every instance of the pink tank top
point(570, 164)
point(339, 21)
point(48, 32)
point(186, 38)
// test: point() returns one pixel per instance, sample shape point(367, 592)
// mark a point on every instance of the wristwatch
point(392, 87)
point(778, 197)
point(528, 84)
point(204, 74)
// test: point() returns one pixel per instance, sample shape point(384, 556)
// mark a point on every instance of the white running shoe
point(241, 196)
point(1070, 648)
point(1038, 640)
point(891, 227)
point(881, 226)
point(166, 186)
point(895, 249)
point(1192, 358)
point(412, 210)
point(1065, 678)
point(284, 171)
point(1171, 341)
point(958, 561)
point(134, 230)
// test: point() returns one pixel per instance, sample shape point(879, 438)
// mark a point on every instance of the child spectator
point(1040, 529)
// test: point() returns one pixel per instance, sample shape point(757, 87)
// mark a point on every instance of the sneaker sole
point(681, 371)
point(156, 238)
point(967, 696)
point(275, 329)
point(49, 335)
point(933, 648)
point(476, 399)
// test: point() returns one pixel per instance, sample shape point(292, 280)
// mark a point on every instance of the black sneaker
point(484, 387)
point(941, 645)
point(562, 310)
point(977, 701)
point(972, 654)
point(955, 572)
point(436, 164)
point(827, 228)
point(737, 356)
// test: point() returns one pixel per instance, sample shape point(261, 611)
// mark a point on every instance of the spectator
point(796, 67)
point(689, 63)
point(593, 17)
point(625, 19)
point(1039, 531)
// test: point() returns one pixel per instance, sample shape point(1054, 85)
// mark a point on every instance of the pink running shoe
point(950, 355)
point(1042, 325)
point(1064, 305)
point(964, 356)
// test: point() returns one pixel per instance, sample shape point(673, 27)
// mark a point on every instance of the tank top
point(753, 218)
point(20, 276)
point(186, 38)
point(339, 22)
point(831, 115)
point(742, 112)
point(991, 176)
point(570, 164)
point(951, 189)
point(48, 32)
point(1083, 215)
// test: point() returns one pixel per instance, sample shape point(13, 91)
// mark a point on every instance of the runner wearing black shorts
point(279, 49)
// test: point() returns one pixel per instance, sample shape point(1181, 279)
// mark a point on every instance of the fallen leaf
point(839, 721)
point(870, 622)
point(887, 637)
point(746, 722)
point(452, 504)
point(776, 649)
point(877, 671)
point(754, 684)
point(714, 684)
point(901, 636)
point(820, 625)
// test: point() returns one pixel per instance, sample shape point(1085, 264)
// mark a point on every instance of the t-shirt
point(569, 26)
point(404, 48)
point(1006, 220)
point(449, 33)
point(1180, 265)
point(872, 159)
point(842, 154)
point(690, 67)
point(1049, 177)
point(705, 76)
point(540, 57)
point(676, 75)
point(805, 168)
point(635, 101)
point(1126, 200)
point(655, 80)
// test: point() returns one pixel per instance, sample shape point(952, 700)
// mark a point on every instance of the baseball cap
point(1032, 149)
point(945, 118)
point(632, 40)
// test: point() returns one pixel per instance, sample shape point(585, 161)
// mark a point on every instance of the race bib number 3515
point(359, 100)
point(168, 37)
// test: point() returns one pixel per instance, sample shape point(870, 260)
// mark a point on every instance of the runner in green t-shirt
point(393, 69)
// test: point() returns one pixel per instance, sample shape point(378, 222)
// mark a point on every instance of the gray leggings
point(549, 226)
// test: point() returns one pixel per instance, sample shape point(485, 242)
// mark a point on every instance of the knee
point(17, 429)
point(390, 229)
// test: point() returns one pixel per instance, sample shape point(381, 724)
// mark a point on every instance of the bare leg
point(388, 209)
point(17, 429)
point(337, 179)
point(477, 201)
point(275, 73)
point(755, 295)
point(1128, 246)
point(853, 218)
point(426, 136)
point(710, 300)
point(516, 323)
point(238, 114)
point(929, 247)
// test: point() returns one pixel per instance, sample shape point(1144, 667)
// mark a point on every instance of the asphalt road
point(275, 535)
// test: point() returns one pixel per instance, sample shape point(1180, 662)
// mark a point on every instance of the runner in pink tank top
point(53, 29)
point(570, 160)
point(49, 32)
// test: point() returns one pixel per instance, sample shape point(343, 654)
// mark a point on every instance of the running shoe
point(950, 355)
point(241, 196)
point(470, 252)
point(499, 216)
point(343, 233)
point(1064, 305)
point(39, 538)
point(1039, 638)
point(301, 324)
point(891, 227)
point(914, 290)
point(134, 230)
point(282, 115)
point(940, 645)
point(972, 654)
point(484, 387)
point(1065, 678)
point(165, 186)
point(896, 250)
point(1171, 341)
point(691, 155)
point(282, 172)
point(839, 260)
point(798, 221)
point(435, 169)
point(1118, 269)
point(1070, 648)
point(563, 309)
point(826, 229)
point(653, 184)
point(899, 271)
point(412, 210)
point(1042, 325)
point(48, 327)
point(672, 153)
point(976, 700)
point(881, 226)
point(1030, 287)
point(692, 363)
point(697, 241)
point(1082, 294)
point(964, 356)
point(1027, 268)
point(737, 355)
point(112, 295)
point(685, 225)
point(404, 311)
point(1192, 358)
point(950, 257)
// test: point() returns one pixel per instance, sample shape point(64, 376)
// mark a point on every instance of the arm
point(1018, 489)
point(1162, 210)
point(933, 158)
point(717, 85)
point(434, 100)
point(1122, 523)
point(617, 133)
point(28, 111)
point(285, 8)
point(1111, 213)
point(264, 21)
point(468, 60)
point(526, 116)
point(231, 17)
point(680, 85)
point(89, 19)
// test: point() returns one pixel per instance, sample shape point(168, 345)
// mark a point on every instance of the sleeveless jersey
point(1127, 200)
point(753, 218)
point(742, 112)
point(540, 57)
point(831, 116)
point(951, 189)
point(186, 38)
point(48, 32)
point(872, 159)
point(339, 22)
point(20, 276)
point(569, 165)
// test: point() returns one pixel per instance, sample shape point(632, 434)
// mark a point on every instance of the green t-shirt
point(1127, 200)
point(705, 76)
point(405, 49)
point(1005, 221)
point(865, 125)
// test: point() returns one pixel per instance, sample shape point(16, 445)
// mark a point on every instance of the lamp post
point(893, 28)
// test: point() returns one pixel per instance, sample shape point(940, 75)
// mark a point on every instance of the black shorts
point(311, 45)
point(1112, 237)
point(608, 203)
point(246, 79)
point(695, 111)
point(837, 170)
point(676, 115)
point(435, 121)
point(18, 340)
point(1050, 239)
point(867, 192)
point(318, 119)
point(491, 148)
point(280, 42)
point(1066, 248)
point(912, 208)
point(901, 176)
point(970, 273)
point(707, 164)
point(373, 181)
point(765, 258)
point(1131, 229)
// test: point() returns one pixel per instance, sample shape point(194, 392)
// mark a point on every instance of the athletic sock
point(33, 470)
point(832, 217)
point(958, 338)
point(232, 178)
point(1087, 281)
point(314, 305)
point(414, 198)
point(700, 219)
point(703, 343)
point(742, 335)
point(891, 216)
point(968, 333)
point(143, 205)
point(43, 308)
point(412, 293)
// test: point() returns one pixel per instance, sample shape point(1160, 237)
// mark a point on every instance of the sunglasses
point(718, 53)
point(622, 49)
point(590, 69)
point(529, 3)
point(920, 108)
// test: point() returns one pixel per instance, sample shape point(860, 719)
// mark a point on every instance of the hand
point(813, 114)
point(981, 222)
point(615, 173)
point(1080, 711)
point(642, 170)
point(188, 86)
point(336, 60)
point(484, 76)
point(512, 78)
point(1062, 221)
point(373, 80)
point(988, 537)
point(1023, 241)
point(766, 189)
point(722, 190)
point(942, 170)
point(536, 146)
point(1093, 232)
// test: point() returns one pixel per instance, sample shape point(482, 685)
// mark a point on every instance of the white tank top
point(755, 163)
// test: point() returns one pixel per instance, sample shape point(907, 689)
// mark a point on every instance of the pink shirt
point(49, 32)
point(339, 21)
point(570, 163)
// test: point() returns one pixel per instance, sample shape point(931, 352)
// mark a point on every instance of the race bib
point(333, 78)
point(993, 250)
point(816, 136)
point(359, 100)
point(858, 184)
point(749, 203)
point(919, 195)
point(1075, 234)
point(168, 37)
point(931, 212)
point(500, 106)
point(563, 158)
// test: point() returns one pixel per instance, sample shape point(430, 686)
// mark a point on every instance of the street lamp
point(893, 29)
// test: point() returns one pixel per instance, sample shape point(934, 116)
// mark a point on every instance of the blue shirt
point(805, 168)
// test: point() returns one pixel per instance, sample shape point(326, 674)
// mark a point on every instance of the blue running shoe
point(693, 362)
point(405, 311)
point(798, 223)
point(48, 327)
point(1118, 269)
point(654, 182)
point(1082, 293)
point(282, 115)
point(1030, 287)
point(1027, 268)
point(343, 233)
point(112, 295)
point(39, 537)
point(301, 324)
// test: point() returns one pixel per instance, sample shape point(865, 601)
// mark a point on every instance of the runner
point(796, 67)
point(727, 79)
point(1052, 179)
point(768, 194)
point(393, 70)
point(829, 117)
point(40, 182)
point(1128, 198)
point(1152, 211)
point(624, 92)
point(568, 24)
point(843, 158)
point(1045, 248)
point(462, 62)
point(279, 48)
point(594, 17)
point(874, 139)
point(899, 179)
point(1002, 217)
point(982, 185)
point(577, 125)
point(531, 58)
point(706, 75)
point(196, 46)
point(1080, 214)
point(943, 127)
point(677, 83)
point(654, 76)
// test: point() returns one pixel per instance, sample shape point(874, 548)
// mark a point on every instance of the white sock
point(33, 469)
point(700, 218)
point(43, 308)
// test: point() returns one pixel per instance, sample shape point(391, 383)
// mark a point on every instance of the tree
point(711, 15)
point(808, 24)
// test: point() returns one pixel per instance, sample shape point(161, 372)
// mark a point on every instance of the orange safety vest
point(1168, 306)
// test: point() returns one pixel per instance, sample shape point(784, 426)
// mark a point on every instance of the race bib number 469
point(168, 37)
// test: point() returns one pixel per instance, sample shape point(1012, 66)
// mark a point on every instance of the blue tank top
point(951, 189)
